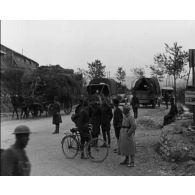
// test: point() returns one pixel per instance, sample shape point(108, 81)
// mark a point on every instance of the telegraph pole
point(192, 64)
point(190, 93)
point(192, 61)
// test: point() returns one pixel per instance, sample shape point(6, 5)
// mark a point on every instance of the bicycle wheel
point(95, 152)
point(70, 146)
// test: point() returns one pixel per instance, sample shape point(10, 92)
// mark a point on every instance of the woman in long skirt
point(126, 140)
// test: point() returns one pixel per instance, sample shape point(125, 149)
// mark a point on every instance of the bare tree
point(172, 63)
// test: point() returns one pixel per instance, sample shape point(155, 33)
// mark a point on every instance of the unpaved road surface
point(45, 153)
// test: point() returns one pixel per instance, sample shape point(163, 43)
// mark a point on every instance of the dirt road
point(45, 154)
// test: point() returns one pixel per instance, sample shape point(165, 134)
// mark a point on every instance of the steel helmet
point(22, 129)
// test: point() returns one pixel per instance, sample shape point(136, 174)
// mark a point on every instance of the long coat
point(14, 162)
point(126, 140)
point(56, 113)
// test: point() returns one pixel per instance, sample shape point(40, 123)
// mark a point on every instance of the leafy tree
point(96, 70)
point(120, 75)
point(172, 63)
point(138, 72)
point(11, 80)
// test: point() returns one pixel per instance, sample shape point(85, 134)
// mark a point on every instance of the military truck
point(147, 91)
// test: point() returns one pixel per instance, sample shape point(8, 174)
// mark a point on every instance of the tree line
point(62, 81)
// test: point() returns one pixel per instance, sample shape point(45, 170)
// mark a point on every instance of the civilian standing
point(127, 145)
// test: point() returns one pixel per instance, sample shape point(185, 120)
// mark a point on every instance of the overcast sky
point(116, 43)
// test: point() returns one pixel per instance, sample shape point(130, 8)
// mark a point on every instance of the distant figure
point(117, 122)
point(97, 93)
point(166, 98)
point(171, 116)
point(56, 115)
point(14, 161)
point(135, 105)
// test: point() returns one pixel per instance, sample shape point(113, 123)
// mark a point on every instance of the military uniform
point(15, 162)
point(56, 113)
point(135, 105)
point(56, 116)
point(82, 124)
point(95, 119)
point(105, 121)
point(117, 121)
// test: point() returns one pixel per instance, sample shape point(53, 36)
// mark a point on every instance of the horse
point(16, 103)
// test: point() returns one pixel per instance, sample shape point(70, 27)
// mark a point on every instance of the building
point(11, 59)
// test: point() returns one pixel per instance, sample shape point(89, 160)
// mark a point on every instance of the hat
point(22, 129)
point(127, 108)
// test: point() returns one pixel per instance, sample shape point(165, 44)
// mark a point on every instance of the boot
point(57, 129)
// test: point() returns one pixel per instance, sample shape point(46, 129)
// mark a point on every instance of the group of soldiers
point(92, 112)
point(99, 114)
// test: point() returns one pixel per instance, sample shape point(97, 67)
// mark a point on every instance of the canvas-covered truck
point(102, 86)
point(147, 91)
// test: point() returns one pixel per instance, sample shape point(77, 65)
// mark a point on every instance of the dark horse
point(17, 103)
point(26, 105)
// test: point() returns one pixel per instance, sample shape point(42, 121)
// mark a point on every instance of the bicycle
point(71, 145)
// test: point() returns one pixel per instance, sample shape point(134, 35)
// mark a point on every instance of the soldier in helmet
point(14, 161)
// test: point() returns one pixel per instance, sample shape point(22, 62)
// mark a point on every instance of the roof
point(18, 54)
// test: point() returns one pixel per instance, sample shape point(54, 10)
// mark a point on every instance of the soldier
point(117, 121)
point(56, 115)
point(82, 124)
point(135, 105)
point(95, 118)
point(166, 99)
point(105, 121)
point(171, 116)
point(14, 161)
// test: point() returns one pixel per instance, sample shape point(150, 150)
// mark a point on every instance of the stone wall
point(177, 142)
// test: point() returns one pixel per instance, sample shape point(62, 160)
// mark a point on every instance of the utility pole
point(190, 92)
point(192, 61)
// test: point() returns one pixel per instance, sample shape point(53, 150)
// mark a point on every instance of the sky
point(73, 43)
